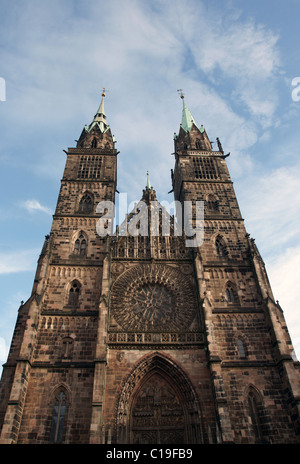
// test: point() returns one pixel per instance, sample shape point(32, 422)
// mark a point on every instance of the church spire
point(97, 134)
point(187, 119)
point(190, 136)
point(100, 115)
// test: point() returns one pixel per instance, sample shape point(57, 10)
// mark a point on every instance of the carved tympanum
point(157, 415)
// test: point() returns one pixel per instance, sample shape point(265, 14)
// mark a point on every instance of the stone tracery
point(153, 297)
point(157, 380)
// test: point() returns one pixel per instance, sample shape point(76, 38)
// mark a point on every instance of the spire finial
point(148, 186)
point(100, 115)
point(181, 93)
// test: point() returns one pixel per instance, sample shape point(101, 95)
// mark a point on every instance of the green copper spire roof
point(187, 118)
point(99, 118)
point(100, 115)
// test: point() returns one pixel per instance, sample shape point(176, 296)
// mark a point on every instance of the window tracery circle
point(153, 297)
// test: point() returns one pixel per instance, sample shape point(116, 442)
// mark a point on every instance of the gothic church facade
point(139, 338)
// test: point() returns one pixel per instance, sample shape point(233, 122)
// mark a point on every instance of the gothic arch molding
point(86, 203)
point(62, 386)
point(220, 245)
point(251, 388)
point(231, 292)
point(212, 201)
point(72, 295)
point(258, 415)
point(76, 248)
point(158, 366)
point(59, 405)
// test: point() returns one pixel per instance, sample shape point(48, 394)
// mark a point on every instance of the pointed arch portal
point(157, 416)
point(158, 405)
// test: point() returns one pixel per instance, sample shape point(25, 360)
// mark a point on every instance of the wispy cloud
point(3, 350)
point(8, 314)
point(18, 261)
point(145, 59)
point(272, 208)
point(32, 206)
point(283, 271)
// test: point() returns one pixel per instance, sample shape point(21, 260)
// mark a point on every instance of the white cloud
point(283, 271)
point(145, 56)
point(8, 314)
point(3, 351)
point(34, 205)
point(223, 46)
point(242, 49)
point(271, 205)
point(18, 261)
point(247, 54)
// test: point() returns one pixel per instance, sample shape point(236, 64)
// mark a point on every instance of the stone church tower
point(139, 338)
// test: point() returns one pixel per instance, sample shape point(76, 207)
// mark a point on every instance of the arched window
point(230, 295)
point(256, 414)
point(80, 245)
point(212, 203)
point(74, 294)
point(94, 143)
point(241, 348)
point(86, 204)
point(198, 144)
point(58, 416)
point(221, 247)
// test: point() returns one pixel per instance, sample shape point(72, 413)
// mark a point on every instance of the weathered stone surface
point(141, 339)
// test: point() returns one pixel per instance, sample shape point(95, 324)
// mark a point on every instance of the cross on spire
point(104, 90)
point(181, 93)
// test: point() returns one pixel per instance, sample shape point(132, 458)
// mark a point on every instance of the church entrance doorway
point(158, 405)
point(157, 415)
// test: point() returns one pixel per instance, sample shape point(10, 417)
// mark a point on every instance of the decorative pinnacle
point(104, 90)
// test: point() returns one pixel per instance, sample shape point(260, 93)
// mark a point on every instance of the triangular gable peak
point(149, 231)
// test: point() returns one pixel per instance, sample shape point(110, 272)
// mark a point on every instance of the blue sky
point(235, 62)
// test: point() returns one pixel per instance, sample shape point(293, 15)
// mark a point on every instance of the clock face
point(153, 297)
